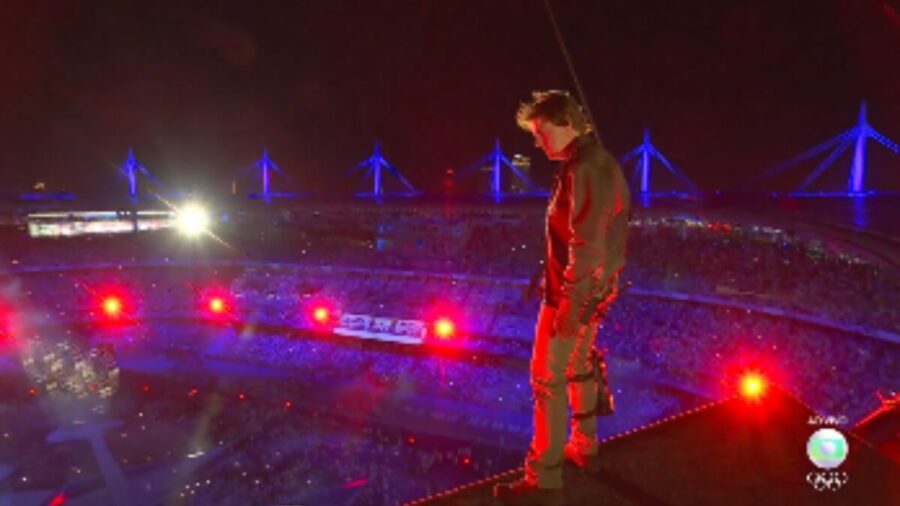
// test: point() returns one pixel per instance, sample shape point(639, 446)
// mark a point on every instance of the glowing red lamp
point(217, 305)
point(59, 500)
point(753, 386)
point(444, 328)
point(112, 306)
point(6, 327)
point(321, 315)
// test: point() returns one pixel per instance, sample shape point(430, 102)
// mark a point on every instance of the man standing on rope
point(586, 227)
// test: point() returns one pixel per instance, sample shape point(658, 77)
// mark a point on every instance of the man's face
point(551, 138)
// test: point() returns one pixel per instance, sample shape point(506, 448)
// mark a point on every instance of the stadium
point(455, 253)
point(377, 353)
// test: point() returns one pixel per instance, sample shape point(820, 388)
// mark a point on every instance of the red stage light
point(7, 326)
point(444, 328)
point(217, 305)
point(111, 303)
point(59, 500)
point(321, 315)
point(753, 386)
point(112, 306)
point(356, 483)
point(751, 373)
point(447, 326)
point(6, 334)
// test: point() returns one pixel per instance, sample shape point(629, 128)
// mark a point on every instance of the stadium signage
point(382, 328)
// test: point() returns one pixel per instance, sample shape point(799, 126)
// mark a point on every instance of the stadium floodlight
point(192, 220)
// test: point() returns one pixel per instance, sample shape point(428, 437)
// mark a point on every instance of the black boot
point(606, 404)
point(522, 493)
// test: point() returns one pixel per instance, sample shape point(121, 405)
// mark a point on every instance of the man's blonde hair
point(557, 107)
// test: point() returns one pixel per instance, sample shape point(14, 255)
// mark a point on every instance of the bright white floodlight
point(192, 220)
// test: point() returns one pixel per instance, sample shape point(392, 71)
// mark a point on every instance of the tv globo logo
point(827, 448)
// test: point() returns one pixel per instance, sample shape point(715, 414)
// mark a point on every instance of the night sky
point(198, 88)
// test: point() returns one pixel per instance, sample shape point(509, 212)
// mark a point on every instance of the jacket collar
point(577, 143)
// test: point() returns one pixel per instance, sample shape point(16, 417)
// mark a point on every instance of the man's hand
point(598, 306)
point(579, 307)
point(535, 286)
point(573, 297)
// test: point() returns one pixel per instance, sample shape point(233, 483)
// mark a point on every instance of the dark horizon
point(198, 91)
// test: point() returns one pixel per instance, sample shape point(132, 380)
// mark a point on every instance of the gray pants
point(561, 365)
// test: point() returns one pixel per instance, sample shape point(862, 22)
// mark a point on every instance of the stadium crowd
point(778, 267)
point(334, 432)
point(689, 340)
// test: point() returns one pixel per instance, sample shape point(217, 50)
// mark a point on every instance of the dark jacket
point(587, 227)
